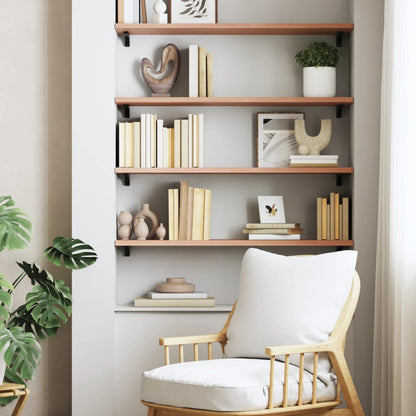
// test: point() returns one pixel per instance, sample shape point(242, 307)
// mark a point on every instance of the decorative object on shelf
point(193, 11)
point(276, 138)
point(161, 86)
point(332, 217)
point(141, 230)
point(161, 232)
point(124, 230)
point(319, 61)
point(159, 15)
point(312, 145)
point(271, 209)
point(175, 285)
point(145, 212)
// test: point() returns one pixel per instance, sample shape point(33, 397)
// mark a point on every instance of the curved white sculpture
point(312, 145)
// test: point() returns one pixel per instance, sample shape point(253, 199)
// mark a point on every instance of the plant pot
point(319, 81)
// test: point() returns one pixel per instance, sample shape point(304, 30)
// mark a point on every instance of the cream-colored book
point(210, 69)
point(177, 144)
point(148, 140)
point(319, 218)
point(198, 214)
point(340, 222)
point(143, 140)
point(202, 67)
point(190, 212)
point(122, 145)
point(129, 145)
point(153, 141)
point(336, 216)
point(332, 216)
point(195, 141)
point(183, 209)
point(324, 220)
point(171, 231)
point(165, 147)
point(176, 214)
point(190, 141)
point(207, 213)
point(345, 219)
point(200, 140)
point(184, 143)
point(159, 144)
point(143, 301)
point(136, 144)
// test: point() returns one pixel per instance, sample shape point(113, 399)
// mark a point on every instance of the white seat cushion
point(228, 384)
point(288, 301)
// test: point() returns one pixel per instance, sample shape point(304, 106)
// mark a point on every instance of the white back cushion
point(288, 301)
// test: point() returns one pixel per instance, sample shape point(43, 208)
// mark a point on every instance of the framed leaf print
point(193, 11)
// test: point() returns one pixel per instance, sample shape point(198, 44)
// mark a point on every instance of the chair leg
point(151, 411)
point(21, 403)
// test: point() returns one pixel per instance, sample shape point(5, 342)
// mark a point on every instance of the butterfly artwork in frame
point(193, 11)
point(271, 209)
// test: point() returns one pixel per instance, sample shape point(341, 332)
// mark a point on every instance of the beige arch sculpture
point(309, 145)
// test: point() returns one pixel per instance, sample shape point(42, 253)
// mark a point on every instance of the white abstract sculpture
point(309, 145)
point(159, 15)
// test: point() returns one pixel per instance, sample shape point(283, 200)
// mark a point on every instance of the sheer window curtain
point(394, 362)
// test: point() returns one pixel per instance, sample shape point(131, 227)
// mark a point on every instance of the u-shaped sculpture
point(312, 145)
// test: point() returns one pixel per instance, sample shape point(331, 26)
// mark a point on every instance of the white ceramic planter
point(319, 82)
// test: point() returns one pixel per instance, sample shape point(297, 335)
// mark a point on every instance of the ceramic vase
point(319, 82)
point(145, 212)
point(141, 230)
point(175, 285)
point(161, 232)
point(124, 230)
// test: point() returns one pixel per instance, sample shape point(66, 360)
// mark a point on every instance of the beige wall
point(35, 165)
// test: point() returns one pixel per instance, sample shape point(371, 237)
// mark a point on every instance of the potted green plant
point(48, 304)
point(319, 61)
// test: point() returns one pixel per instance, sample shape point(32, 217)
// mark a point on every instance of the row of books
point(155, 299)
point(333, 217)
point(131, 11)
point(149, 144)
point(189, 211)
point(200, 72)
point(306, 161)
point(273, 231)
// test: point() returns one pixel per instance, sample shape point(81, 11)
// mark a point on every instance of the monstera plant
point(48, 304)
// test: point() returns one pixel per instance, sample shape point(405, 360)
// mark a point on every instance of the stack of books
point(200, 72)
point(149, 144)
point(193, 299)
point(332, 222)
point(301, 161)
point(273, 231)
point(189, 212)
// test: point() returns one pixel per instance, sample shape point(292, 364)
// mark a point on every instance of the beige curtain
point(394, 362)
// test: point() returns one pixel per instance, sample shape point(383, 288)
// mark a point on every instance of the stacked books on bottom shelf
point(332, 218)
point(194, 299)
point(273, 231)
point(308, 161)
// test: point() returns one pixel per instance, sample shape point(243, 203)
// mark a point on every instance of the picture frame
point(276, 138)
point(193, 11)
point(271, 209)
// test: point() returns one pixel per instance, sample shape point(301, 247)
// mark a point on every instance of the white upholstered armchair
point(283, 345)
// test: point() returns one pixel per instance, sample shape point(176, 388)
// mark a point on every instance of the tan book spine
point(195, 140)
point(146, 302)
point(340, 222)
point(184, 143)
point(332, 216)
point(336, 216)
point(207, 213)
point(345, 219)
point(324, 219)
point(183, 207)
point(129, 145)
point(190, 212)
point(120, 11)
point(210, 73)
point(202, 71)
point(328, 221)
point(177, 144)
point(176, 214)
point(198, 214)
point(319, 218)
point(143, 11)
point(170, 215)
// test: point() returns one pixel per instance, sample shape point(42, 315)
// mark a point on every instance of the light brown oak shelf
point(236, 29)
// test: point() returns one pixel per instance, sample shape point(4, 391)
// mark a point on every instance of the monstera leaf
point(47, 310)
point(11, 377)
point(6, 288)
point(23, 352)
point(15, 228)
point(71, 253)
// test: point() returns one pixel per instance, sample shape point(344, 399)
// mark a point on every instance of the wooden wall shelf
point(236, 29)
point(130, 308)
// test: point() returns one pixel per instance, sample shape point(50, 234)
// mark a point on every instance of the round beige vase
point(319, 81)
point(175, 285)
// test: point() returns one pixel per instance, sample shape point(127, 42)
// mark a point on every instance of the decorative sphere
point(124, 232)
point(125, 218)
point(159, 7)
point(303, 149)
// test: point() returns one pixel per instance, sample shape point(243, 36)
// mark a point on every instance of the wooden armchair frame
point(334, 347)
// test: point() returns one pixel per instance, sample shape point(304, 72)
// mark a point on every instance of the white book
point(129, 145)
point(143, 140)
point(122, 145)
point(136, 144)
point(195, 141)
point(148, 140)
point(128, 11)
point(153, 148)
point(159, 144)
point(302, 158)
point(200, 140)
point(193, 70)
point(273, 237)
point(177, 144)
point(165, 147)
point(184, 144)
point(190, 141)
point(193, 295)
point(136, 11)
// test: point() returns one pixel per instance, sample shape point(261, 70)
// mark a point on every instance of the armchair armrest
point(299, 349)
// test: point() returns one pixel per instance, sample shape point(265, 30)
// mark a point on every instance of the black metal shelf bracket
point(124, 110)
point(125, 38)
point(340, 107)
point(126, 251)
point(339, 179)
point(125, 179)
point(340, 37)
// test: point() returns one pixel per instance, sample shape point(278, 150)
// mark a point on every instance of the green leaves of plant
point(318, 54)
point(15, 227)
point(6, 301)
point(71, 253)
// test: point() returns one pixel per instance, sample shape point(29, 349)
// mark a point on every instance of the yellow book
point(136, 144)
point(319, 218)
point(340, 221)
point(207, 213)
point(195, 140)
point(122, 145)
point(170, 215)
point(336, 216)
point(210, 69)
point(176, 214)
point(183, 208)
point(198, 214)
point(331, 216)
point(202, 67)
point(184, 143)
point(190, 212)
point(324, 222)
point(177, 144)
point(345, 219)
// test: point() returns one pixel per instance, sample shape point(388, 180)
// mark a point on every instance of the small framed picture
point(276, 138)
point(271, 209)
point(193, 11)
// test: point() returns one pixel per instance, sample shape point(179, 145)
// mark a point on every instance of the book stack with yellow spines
point(273, 231)
point(200, 72)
